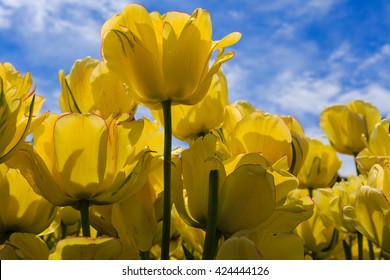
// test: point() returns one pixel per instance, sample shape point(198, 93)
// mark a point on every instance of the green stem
point(84, 212)
point(310, 192)
point(347, 250)
point(360, 246)
point(166, 227)
point(211, 229)
point(371, 250)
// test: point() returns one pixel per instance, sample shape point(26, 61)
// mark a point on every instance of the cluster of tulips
point(96, 183)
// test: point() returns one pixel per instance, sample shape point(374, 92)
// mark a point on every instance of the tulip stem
point(371, 249)
point(347, 249)
point(166, 226)
point(84, 212)
point(211, 239)
point(360, 245)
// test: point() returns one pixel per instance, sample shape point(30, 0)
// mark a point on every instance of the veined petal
point(76, 95)
point(127, 181)
point(264, 133)
point(82, 248)
point(109, 93)
point(177, 21)
point(137, 19)
point(38, 175)
point(121, 46)
point(197, 163)
point(285, 218)
point(183, 70)
point(43, 139)
point(135, 220)
point(246, 199)
point(81, 159)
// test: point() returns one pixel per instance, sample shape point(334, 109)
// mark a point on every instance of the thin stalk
point(360, 245)
point(371, 250)
point(166, 226)
point(347, 250)
point(84, 212)
point(211, 228)
point(310, 192)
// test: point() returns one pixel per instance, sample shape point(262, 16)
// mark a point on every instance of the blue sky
point(295, 57)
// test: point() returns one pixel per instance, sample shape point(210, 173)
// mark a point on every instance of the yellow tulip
point(80, 157)
point(263, 133)
point(300, 144)
point(102, 248)
point(318, 232)
point(18, 109)
point(320, 167)
point(377, 149)
point(261, 245)
point(91, 87)
point(344, 125)
point(190, 122)
point(238, 248)
point(371, 216)
point(163, 57)
point(24, 246)
point(21, 209)
point(234, 113)
point(246, 195)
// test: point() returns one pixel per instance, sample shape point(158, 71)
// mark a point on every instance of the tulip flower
point(261, 245)
point(190, 122)
point(320, 167)
point(263, 133)
point(24, 246)
point(103, 165)
point(21, 209)
point(377, 147)
point(300, 144)
point(238, 248)
point(164, 57)
point(318, 232)
point(102, 248)
point(371, 216)
point(18, 109)
point(246, 189)
point(92, 87)
point(344, 125)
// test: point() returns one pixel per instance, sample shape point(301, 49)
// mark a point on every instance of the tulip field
point(97, 182)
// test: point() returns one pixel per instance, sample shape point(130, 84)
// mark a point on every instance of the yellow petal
point(141, 70)
point(80, 145)
point(262, 133)
point(238, 248)
point(246, 199)
point(197, 163)
point(286, 218)
point(135, 220)
point(109, 93)
point(38, 175)
point(22, 210)
point(24, 246)
point(82, 248)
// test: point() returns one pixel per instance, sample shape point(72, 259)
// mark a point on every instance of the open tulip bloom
point(18, 108)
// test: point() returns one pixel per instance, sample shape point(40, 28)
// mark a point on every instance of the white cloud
point(382, 54)
point(373, 93)
point(298, 8)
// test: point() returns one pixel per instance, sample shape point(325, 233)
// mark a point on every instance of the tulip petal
point(141, 70)
point(246, 199)
point(80, 147)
